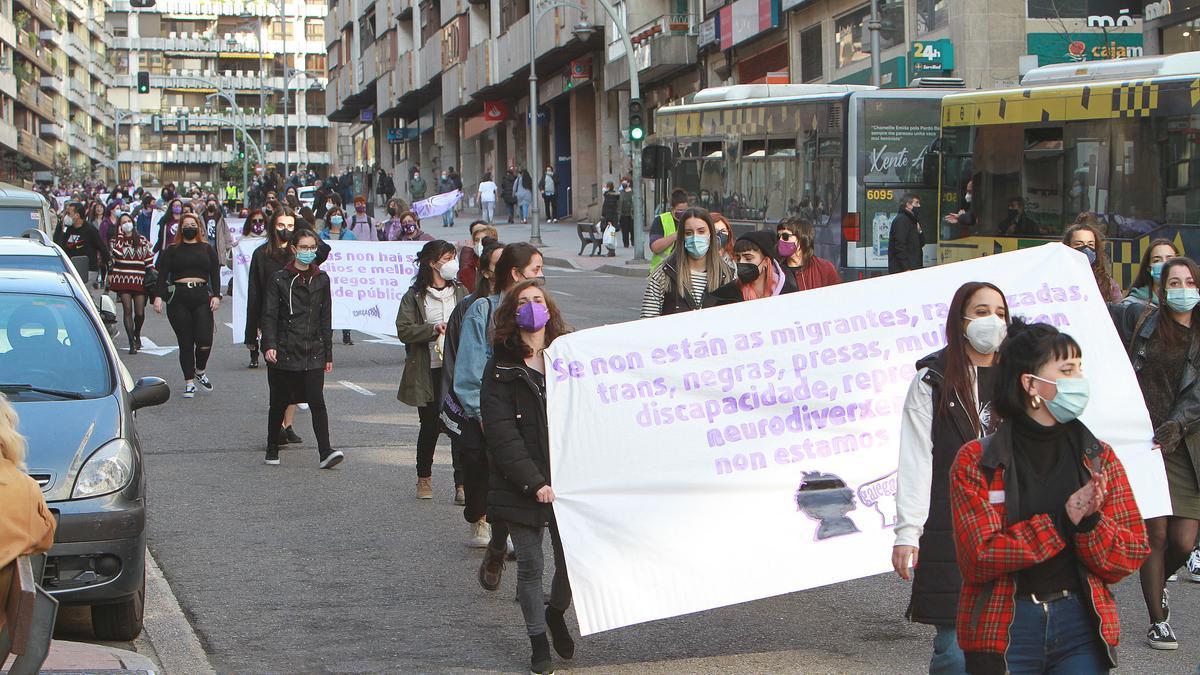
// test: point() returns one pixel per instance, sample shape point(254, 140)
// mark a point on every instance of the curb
point(617, 270)
point(169, 631)
point(560, 262)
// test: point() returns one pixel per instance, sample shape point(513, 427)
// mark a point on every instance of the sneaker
point(272, 454)
point(425, 488)
point(203, 381)
point(481, 533)
point(253, 360)
point(1160, 636)
point(540, 662)
point(1191, 571)
point(332, 459)
point(290, 435)
point(189, 391)
point(460, 496)
point(491, 568)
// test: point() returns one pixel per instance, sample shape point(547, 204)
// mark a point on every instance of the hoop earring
point(1036, 401)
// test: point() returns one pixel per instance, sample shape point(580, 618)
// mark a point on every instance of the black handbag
point(150, 281)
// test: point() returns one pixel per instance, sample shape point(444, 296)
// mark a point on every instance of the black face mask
point(392, 210)
point(190, 232)
point(747, 272)
point(284, 234)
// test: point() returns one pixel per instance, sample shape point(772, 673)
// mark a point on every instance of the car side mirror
point(150, 391)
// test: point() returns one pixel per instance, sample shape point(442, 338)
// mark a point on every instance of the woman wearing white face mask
point(421, 326)
point(948, 404)
point(132, 256)
point(1162, 339)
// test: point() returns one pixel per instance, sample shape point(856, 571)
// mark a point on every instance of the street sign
point(401, 134)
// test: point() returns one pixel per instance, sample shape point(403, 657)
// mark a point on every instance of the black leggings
point(1171, 540)
point(133, 307)
point(192, 320)
point(431, 427)
point(296, 386)
point(548, 200)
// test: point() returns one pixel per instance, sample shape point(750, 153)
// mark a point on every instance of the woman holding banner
point(513, 403)
point(1162, 340)
point(685, 281)
point(421, 326)
point(949, 403)
point(758, 274)
point(1044, 520)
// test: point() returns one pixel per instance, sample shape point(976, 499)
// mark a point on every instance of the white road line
point(561, 269)
point(354, 387)
point(569, 295)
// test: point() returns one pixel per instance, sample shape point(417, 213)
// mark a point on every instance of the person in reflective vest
point(663, 227)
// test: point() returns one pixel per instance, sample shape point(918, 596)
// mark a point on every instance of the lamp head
point(583, 30)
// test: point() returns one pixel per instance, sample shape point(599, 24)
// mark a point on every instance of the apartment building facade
point(445, 83)
point(54, 73)
point(215, 68)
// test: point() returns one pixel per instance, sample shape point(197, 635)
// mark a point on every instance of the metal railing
point(667, 24)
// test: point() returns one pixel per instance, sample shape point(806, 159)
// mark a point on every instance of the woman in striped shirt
point(684, 281)
point(131, 257)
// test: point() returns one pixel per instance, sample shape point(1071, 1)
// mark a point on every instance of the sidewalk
point(560, 244)
point(81, 657)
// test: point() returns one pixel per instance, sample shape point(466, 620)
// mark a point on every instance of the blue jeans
point(524, 206)
point(448, 218)
point(1060, 637)
point(948, 657)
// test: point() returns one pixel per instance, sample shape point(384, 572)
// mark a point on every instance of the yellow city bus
point(1119, 140)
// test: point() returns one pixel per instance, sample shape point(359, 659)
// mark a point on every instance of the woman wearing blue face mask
point(1162, 340)
point(1088, 241)
point(1146, 283)
point(693, 271)
point(297, 343)
point(1044, 520)
point(335, 226)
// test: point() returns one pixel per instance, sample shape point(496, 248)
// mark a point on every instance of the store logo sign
point(1157, 10)
point(1123, 19)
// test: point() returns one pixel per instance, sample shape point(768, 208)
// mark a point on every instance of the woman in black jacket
point(268, 259)
point(513, 405)
point(1163, 340)
point(759, 275)
point(297, 340)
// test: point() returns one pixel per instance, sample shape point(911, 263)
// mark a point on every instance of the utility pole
point(874, 25)
point(286, 84)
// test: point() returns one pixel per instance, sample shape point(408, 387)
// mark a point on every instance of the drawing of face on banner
point(824, 497)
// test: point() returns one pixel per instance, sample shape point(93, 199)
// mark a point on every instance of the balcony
point(394, 83)
point(229, 44)
point(73, 46)
point(477, 73)
point(33, 99)
point(77, 94)
point(215, 8)
point(366, 71)
point(661, 48)
point(8, 136)
point(430, 62)
point(53, 82)
point(247, 81)
point(30, 46)
point(40, 9)
point(54, 131)
point(35, 148)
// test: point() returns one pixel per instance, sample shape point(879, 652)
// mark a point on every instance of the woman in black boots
point(513, 405)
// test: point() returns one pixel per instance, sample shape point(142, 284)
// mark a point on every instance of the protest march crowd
point(1013, 518)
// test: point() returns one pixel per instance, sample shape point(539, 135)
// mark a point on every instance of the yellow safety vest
point(668, 222)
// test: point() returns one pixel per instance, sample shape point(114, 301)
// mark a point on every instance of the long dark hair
point(1027, 348)
point(430, 253)
point(959, 378)
point(1101, 268)
point(278, 249)
point(506, 335)
point(1143, 278)
point(483, 285)
point(516, 256)
point(1173, 332)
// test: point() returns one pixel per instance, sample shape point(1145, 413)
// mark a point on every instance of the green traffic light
point(637, 133)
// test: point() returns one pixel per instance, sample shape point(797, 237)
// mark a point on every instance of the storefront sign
point(401, 134)
point(495, 111)
point(745, 19)
point(708, 32)
point(934, 57)
point(1112, 13)
point(1055, 48)
point(1157, 10)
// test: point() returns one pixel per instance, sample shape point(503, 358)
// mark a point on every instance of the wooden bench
point(30, 613)
point(587, 235)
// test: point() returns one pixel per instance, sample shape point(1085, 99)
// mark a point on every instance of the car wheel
point(121, 622)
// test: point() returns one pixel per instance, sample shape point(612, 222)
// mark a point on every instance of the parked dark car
point(77, 406)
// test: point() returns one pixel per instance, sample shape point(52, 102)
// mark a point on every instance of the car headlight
point(109, 469)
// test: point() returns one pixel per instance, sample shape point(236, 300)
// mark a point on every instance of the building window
point(512, 11)
point(931, 15)
point(852, 39)
point(366, 32)
point(1058, 9)
point(431, 21)
point(315, 31)
point(811, 60)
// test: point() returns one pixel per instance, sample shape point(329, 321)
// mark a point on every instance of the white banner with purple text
point(368, 279)
point(736, 453)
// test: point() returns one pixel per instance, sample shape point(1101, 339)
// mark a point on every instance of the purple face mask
point(177, 209)
point(532, 317)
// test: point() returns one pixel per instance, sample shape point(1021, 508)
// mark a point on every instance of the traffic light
point(637, 129)
point(141, 4)
point(241, 150)
point(143, 81)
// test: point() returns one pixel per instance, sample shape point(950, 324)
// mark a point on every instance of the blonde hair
point(12, 443)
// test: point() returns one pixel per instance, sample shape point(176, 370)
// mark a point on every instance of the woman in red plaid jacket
point(1044, 520)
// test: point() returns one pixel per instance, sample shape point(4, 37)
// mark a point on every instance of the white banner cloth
point(368, 279)
point(678, 444)
point(437, 204)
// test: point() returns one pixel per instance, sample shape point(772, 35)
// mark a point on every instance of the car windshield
point(48, 344)
point(17, 219)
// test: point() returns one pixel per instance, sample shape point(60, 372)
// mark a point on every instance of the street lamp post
point(120, 115)
point(245, 158)
point(286, 83)
point(582, 31)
